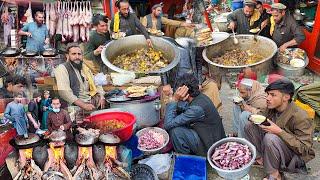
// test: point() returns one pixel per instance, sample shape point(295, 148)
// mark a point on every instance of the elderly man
point(125, 21)
point(284, 29)
point(155, 20)
point(37, 33)
point(254, 101)
point(75, 81)
point(194, 127)
point(285, 142)
point(98, 38)
point(244, 19)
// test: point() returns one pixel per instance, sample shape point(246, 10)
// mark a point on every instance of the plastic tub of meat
point(234, 160)
point(117, 123)
point(152, 140)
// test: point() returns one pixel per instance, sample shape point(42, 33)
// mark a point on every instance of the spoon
point(235, 40)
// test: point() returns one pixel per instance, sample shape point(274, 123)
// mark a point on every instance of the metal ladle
point(235, 40)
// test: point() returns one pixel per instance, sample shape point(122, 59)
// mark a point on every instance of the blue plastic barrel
point(236, 4)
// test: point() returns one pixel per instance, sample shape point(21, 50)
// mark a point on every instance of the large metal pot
point(147, 112)
point(265, 46)
point(132, 43)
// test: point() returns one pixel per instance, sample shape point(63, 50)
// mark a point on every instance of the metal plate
point(119, 99)
point(21, 141)
point(109, 138)
point(217, 37)
point(85, 140)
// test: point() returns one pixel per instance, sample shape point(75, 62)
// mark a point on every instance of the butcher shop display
point(238, 57)
point(231, 156)
point(70, 19)
point(141, 60)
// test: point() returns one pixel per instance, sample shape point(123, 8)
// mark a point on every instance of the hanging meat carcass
point(65, 20)
point(88, 19)
point(53, 19)
point(28, 13)
point(60, 18)
point(5, 15)
point(75, 22)
point(46, 8)
point(82, 22)
point(68, 11)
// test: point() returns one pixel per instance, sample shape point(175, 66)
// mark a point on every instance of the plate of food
point(255, 30)
point(155, 32)
point(290, 54)
point(118, 35)
point(137, 95)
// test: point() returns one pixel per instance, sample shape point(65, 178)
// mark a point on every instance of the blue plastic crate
point(188, 167)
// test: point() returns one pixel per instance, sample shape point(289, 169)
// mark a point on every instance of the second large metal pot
point(265, 46)
point(147, 113)
point(135, 42)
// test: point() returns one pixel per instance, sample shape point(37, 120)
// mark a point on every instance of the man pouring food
point(37, 33)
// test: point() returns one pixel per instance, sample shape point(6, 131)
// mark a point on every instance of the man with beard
point(244, 19)
point(284, 142)
point(284, 29)
point(97, 40)
point(75, 81)
point(155, 20)
point(33, 112)
point(37, 33)
point(127, 22)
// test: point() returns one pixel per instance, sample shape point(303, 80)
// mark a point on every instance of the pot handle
point(157, 105)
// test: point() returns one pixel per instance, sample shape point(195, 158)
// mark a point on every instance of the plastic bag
point(100, 79)
point(160, 163)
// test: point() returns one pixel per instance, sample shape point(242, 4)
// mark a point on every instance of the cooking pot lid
point(32, 138)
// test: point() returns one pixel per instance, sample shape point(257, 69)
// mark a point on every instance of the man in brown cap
point(284, 29)
point(244, 19)
point(284, 141)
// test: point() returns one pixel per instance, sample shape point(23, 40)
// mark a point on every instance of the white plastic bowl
point(297, 63)
point(156, 129)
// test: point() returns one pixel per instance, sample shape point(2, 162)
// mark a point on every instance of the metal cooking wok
point(132, 43)
point(10, 52)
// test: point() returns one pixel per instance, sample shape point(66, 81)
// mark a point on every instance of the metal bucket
point(131, 43)
point(265, 46)
point(147, 113)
